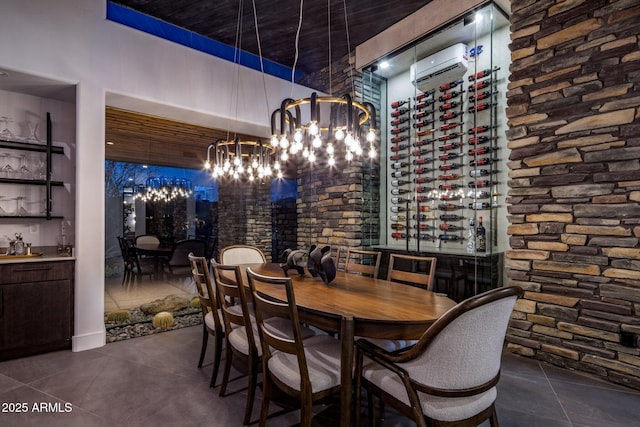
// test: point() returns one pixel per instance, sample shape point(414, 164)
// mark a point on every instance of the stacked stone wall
point(574, 199)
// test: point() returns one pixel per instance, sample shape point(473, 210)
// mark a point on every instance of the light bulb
point(207, 165)
point(358, 149)
point(339, 134)
point(254, 164)
point(284, 156)
point(332, 161)
point(236, 161)
point(276, 165)
point(280, 174)
point(284, 142)
point(312, 157)
point(235, 175)
point(240, 169)
point(274, 141)
point(330, 149)
point(372, 153)
point(348, 156)
point(297, 136)
point(371, 135)
point(317, 142)
point(348, 139)
point(313, 128)
point(251, 178)
point(305, 153)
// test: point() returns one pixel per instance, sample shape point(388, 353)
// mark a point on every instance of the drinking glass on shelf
point(20, 210)
point(39, 167)
point(2, 211)
point(5, 133)
point(33, 131)
point(24, 168)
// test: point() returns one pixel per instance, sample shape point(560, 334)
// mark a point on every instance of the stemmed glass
point(2, 211)
point(24, 169)
point(20, 210)
point(33, 131)
point(6, 133)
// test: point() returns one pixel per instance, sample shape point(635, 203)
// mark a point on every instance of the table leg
point(346, 367)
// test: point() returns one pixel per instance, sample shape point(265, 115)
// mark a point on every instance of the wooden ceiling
point(141, 138)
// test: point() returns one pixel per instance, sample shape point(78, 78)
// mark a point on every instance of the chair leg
point(306, 413)
point(216, 359)
point(372, 408)
point(493, 419)
point(266, 396)
point(251, 391)
point(205, 340)
point(227, 370)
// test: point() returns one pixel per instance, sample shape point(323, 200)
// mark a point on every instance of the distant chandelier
point(163, 189)
point(239, 159)
point(349, 123)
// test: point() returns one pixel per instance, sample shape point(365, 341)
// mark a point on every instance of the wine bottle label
point(399, 121)
point(398, 182)
point(422, 189)
point(479, 85)
point(396, 209)
point(398, 156)
point(449, 95)
point(480, 129)
point(424, 208)
point(422, 133)
point(398, 218)
point(482, 74)
point(399, 147)
point(450, 227)
point(396, 131)
point(424, 226)
point(397, 104)
point(450, 146)
point(398, 235)
point(423, 142)
point(397, 226)
point(399, 165)
point(449, 177)
point(449, 166)
point(424, 95)
point(479, 205)
point(450, 85)
point(423, 180)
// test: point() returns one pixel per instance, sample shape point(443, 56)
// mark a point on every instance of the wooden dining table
point(354, 305)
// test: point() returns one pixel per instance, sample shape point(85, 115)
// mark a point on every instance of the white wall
point(71, 41)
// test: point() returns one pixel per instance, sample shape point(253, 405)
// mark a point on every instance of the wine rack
point(443, 157)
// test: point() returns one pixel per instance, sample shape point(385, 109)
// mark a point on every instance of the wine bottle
point(480, 129)
point(422, 151)
point(479, 205)
point(449, 177)
point(421, 96)
point(482, 150)
point(450, 136)
point(424, 208)
point(450, 146)
point(422, 199)
point(422, 217)
point(396, 104)
point(399, 165)
point(399, 191)
point(449, 95)
point(422, 133)
point(424, 104)
point(424, 236)
point(398, 182)
point(449, 166)
point(399, 112)
point(450, 156)
point(422, 124)
point(481, 172)
point(397, 218)
point(398, 156)
point(449, 126)
point(450, 227)
point(449, 207)
point(482, 95)
point(399, 174)
point(482, 74)
point(422, 142)
point(399, 235)
point(421, 114)
point(482, 161)
point(397, 200)
point(451, 217)
point(477, 140)
point(478, 195)
point(480, 107)
point(449, 115)
point(396, 131)
point(422, 161)
point(447, 197)
point(479, 85)
point(451, 186)
point(448, 105)
point(397, 226)
point(399, 147)
point(396, 209)
point(423, 226)
point(482, 236)
point(450, 85)
point(399, 121)
point(423, 180)
point(449, 237)
point(481, 183)
point(423, 189)
point(422, 170)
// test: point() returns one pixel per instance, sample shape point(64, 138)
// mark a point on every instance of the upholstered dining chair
point(135, 268)
point(306, 369)
point(362, 262)
point(241, 254)
point(412, 270)
point(211, 313)
point(449, 377)
point(147, 239)
point(178, 263)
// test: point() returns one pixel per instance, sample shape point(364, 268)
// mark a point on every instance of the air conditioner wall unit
point(447, 65)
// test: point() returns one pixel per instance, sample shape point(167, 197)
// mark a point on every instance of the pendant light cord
point(295, 60)
point(264, 80)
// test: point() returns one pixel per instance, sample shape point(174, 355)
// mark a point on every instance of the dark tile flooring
point(153, 381)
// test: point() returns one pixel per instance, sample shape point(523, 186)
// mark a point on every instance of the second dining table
point(354, 305)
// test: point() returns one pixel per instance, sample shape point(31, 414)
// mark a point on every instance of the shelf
point(30, 182)
point(28, 146)
point(31, 217)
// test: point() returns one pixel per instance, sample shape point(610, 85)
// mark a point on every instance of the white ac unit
point(447, 65)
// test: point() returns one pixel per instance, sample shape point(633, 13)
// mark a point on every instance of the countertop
point(48, 254)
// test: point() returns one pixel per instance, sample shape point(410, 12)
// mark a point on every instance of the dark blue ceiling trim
point(156, 27)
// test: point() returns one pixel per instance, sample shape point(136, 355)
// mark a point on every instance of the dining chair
point(363, 262)
point(147, 239)
point(413, 270)
point(241, 254)
point(305, 369)
point(135, 268)
point(178, 265)
point(449, 377)
point(211, 312)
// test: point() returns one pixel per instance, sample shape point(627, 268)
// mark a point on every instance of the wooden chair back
point(204, 286)
point(363, 262)
point(230, 292)
point(241, 254)
point(413, 270)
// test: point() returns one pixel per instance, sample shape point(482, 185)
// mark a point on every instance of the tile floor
point(154, 381)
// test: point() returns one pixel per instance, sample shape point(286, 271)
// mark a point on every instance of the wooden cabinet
point(36, 307)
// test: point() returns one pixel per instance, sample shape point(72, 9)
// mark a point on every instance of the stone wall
point(285, 227)
point(574, 199)
point(244, 215)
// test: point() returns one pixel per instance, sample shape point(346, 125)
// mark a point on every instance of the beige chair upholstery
point(449, 376)
point(362, 262)
point(241, 254)
point(212, 320)
point(306, 370)
point(178, 264)
point(147, 239)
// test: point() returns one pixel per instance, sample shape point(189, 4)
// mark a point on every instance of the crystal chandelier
point(237, 158)
point(164, 189)
point(349, 124)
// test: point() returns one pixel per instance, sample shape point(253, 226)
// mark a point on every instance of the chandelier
point(349, 124)
point(164, 189)
point(237, 158)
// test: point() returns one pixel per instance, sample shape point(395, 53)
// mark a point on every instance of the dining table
point(155, 250)
point(357, 306)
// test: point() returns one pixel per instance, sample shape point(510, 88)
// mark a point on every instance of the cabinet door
point(35, 314)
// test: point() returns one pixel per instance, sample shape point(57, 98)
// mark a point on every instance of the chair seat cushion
point(323, 361)
point(276, 325)
point(438, 408)
point(391, 345)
